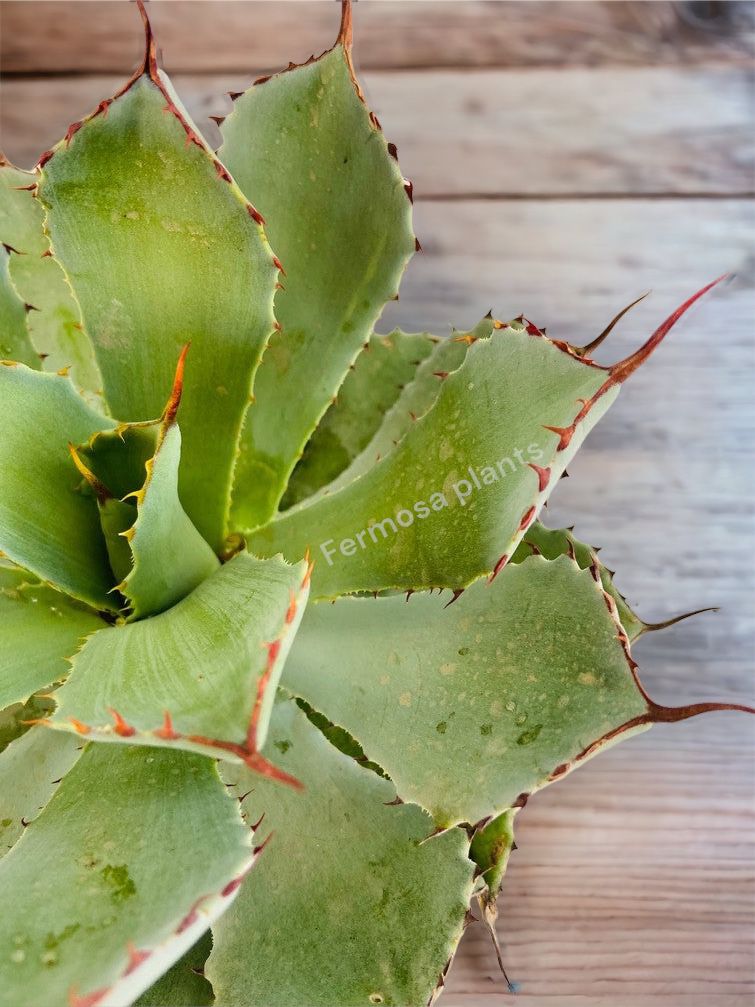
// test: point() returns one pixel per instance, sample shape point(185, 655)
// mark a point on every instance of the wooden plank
point(493, 132)
point(103, 35)
point(633, 881)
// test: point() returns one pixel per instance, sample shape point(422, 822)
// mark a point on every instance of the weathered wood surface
point(49, 36)
point(578, 131)
point(633, 884)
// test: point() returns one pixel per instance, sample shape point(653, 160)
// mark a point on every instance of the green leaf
point(17, 719)
point(54, 324)
point(31, 768)
point(371, 387)
point(200, 676)
point(455, 496)
point(14, 337)
point(306, 147)
point(518, 682)
point(46, 525)
point(41, 628)
point(183, 985)
point(416, 399)
point(551, 543)
point(154, 549)
point(491, 848)
point(128, 832)
point(487, 471)
point(170, 556)
point(347, 905)
point(161, 248)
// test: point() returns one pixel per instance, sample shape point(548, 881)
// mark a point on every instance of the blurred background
point(566, 157)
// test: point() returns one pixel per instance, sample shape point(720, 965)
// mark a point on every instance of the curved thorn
point(100, 489)
point(489, 922)
point(585, 351)
point(174, 401)
point(624, 368)
point(346, 31)
point(149, 67)
point(651, 627)
point(673, 714)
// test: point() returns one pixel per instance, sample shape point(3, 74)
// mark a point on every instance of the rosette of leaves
point(201, 432)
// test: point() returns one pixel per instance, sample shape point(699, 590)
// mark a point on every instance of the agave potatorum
point(184, 425)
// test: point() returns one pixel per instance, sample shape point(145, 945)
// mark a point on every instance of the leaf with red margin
point(162, 248)
point(128, 831)
point(200, 676)
point(552, 542)
point(348, 905)
point(303, 144)
point(518, 682)
point(453, 500)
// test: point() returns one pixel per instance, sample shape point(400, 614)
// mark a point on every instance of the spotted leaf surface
point(394, 908)
point(128, 830)
point(515, 681)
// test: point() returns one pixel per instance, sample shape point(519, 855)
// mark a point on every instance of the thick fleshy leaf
point(486, 471)
point(416, 399)
point(551, 543)
point(183, 985)
point(347, 906)
point(200, 676)
point(304, 145)
point(371, 387)
point(155, 550)
point(54, 320)
point(456, 495)
point(161, 248)
point(46, 525)
point(14, 337)
point(41, 629)
point(17, 719)
point(128, 832)
point(518, 682)
point(31, 767)
point(170, 556)
point(491, 848)
point(554, 542)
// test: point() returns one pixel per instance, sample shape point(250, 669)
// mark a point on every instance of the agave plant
point(198, 446)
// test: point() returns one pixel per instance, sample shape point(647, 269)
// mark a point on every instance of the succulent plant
point(271, 580)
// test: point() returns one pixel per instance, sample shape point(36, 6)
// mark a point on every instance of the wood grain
point(545, 132)
point(197, 35)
